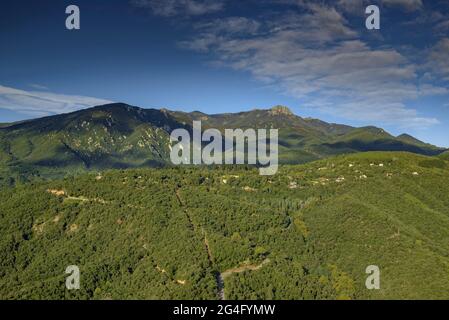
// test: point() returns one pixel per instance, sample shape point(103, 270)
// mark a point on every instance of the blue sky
point(217, 56)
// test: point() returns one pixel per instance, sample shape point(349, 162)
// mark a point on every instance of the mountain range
point(122, 136)
point(308, 232)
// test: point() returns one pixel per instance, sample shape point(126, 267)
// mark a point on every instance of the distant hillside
point(308, 232)
point(122, 136)
point(411, 140)
point(445, 155)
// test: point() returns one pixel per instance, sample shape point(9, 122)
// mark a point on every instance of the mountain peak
point(409, 139)
point(280, 110)
point(121, 136)
point(114, 106)
point(406, 136)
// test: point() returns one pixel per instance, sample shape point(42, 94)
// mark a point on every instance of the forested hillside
point(308, 232)
point(119, 136)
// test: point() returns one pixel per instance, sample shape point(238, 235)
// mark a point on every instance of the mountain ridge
point(123, 136)
point(166, 233)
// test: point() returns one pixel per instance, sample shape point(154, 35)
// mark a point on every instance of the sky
point(316, 57)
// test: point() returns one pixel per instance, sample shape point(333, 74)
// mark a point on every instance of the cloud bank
point(171, 8)
point(314, 55)
point(42, 103)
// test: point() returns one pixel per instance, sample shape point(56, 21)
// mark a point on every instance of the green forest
point(308, 232)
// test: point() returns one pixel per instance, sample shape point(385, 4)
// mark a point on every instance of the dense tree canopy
point(308, 232)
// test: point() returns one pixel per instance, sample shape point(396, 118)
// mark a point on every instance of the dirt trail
point(66, 196)
point(243, 268)
point(209, 251)
point(182, 205)
point(220, 285)
point(219, 277)
point(194, 229)
point(62, 193)
point(222, 276)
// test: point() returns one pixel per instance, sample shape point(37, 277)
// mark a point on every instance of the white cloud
point(316, 57)
point(358, 6)
point(438, 59)
point(408, 5)
point(231, 25)
point(352, 6)
point(38, 86)
point(40, 103)
point(443, 26)
point(170, 8)
point(431, 90)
